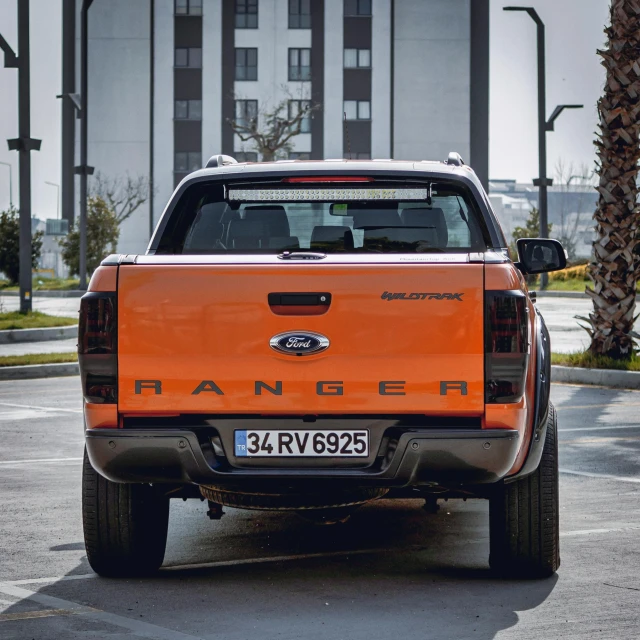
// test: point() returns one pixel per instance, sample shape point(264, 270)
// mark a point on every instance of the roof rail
point(454, 159)
point(220, 161)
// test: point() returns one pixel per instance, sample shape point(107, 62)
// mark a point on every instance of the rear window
point(342, 218)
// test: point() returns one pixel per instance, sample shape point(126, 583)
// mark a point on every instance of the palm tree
point(615, 264)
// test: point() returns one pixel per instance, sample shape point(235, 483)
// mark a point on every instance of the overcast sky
point(574, 75)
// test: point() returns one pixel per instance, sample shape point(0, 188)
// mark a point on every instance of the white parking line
point(138, 627)
point(39, 460)
point(29, 406)
point(78, 576)
point(602, 476)
point(629, 426)
point(303, 556)
point(588, 532)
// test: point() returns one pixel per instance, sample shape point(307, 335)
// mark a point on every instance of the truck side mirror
point(540, 255)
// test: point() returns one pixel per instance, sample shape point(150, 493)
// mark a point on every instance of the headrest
point(247, 228)
point(371, 217)
point(205, 235)
point(328, 233)
point(246, 234)
point(214, 210)
point(424, 217)
point(274, 215)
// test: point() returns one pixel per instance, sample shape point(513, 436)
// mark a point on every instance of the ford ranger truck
point(312, 336)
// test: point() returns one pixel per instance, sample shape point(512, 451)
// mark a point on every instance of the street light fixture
point(8, 164)
point(544, 125)
point(57, 186)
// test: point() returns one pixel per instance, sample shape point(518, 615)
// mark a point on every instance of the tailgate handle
point(299, 299)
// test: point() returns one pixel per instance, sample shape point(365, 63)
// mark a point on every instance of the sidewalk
point(53, 306)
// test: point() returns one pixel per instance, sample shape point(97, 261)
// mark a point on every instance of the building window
point(299, 14)
point(299, 64)
point(191, 57)
point(246, 156)
point(246, 64)
point(296, 155)
point(188, 7)
point(246, 111)
point(354, 58)
point(188, 110)
point(187, 161)
point(357, 109)
point(357, 7)
point(295, 107)
point(246, 14)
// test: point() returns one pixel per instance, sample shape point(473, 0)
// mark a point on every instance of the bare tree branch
point(124, 195)
point(278, 130)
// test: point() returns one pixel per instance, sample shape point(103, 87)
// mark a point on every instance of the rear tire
point(524, 517)
point(125, 525)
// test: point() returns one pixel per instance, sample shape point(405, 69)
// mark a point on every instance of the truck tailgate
point(182, 325)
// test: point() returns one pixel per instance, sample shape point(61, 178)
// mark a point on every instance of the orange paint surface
point(100, 416)
point(503, 277)
point(104, 279)
point(184, 324)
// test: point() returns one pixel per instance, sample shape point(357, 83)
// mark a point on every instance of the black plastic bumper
point(444, 456)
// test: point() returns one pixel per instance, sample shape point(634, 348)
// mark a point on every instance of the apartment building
point(404, 79)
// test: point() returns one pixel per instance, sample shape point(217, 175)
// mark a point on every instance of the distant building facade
point(166, 76)
point(570, 212)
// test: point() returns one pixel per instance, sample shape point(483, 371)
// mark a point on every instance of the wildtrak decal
point(322, 387)
point(422, 296)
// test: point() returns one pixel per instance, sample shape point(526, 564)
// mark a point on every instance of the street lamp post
point(544, 125)
point(57, 186)
point(24, 145)
point(84, 170)
point(8, 164)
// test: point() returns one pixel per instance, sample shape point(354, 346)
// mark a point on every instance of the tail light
point(506, 346)
point(98, 347)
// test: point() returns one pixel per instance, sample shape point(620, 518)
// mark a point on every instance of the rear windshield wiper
point(301, 255)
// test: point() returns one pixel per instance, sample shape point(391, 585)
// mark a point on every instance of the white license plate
point(307, 443)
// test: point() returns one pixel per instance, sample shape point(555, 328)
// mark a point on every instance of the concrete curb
point(601, 377)
point(72, 293)
point(11, 336)
point(39, 371)
point(561, 294)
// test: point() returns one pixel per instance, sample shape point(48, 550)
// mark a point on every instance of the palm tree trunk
point(615, 264)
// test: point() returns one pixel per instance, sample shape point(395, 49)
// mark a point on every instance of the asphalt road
point(392, 571)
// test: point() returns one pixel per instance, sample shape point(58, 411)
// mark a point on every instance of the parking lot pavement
point(53, 306)
point(391, 571)
point(560, 316)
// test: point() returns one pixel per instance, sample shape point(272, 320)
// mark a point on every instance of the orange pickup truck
point(311, 336)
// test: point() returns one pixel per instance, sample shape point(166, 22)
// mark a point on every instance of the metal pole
point(83, 145)
point(24, 155)
point(68, 109)
point(542, 142)
point(152, 82)
point(8, 164)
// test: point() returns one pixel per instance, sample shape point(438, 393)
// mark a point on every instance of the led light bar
point(326, 195)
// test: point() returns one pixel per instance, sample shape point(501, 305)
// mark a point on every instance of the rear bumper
point(451, 457)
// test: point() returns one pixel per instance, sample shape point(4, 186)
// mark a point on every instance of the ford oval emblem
point(299, 343)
